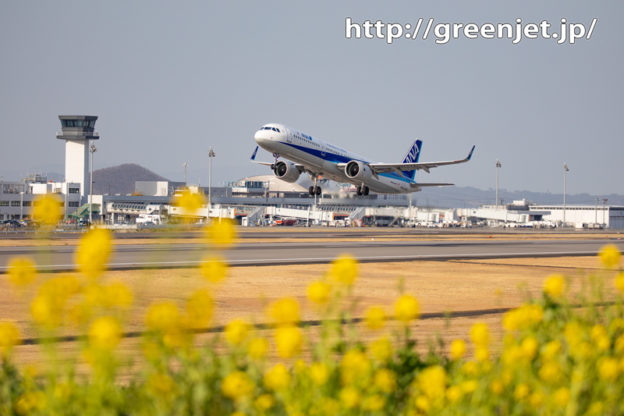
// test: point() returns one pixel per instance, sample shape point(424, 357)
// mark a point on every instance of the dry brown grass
point(440, 286)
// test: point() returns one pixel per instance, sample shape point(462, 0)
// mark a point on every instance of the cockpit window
point(275, 129)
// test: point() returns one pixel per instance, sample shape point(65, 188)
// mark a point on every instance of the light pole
point(498, 166)
point(596, 211)
point(21, 205)
point(92, 149)
point(211, 155)
point(604, 209)
point(565, 172)
point(185, 166)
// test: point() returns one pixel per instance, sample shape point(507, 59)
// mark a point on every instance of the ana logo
point(413, 153)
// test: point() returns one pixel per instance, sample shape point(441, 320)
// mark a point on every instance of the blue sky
point(168, 80)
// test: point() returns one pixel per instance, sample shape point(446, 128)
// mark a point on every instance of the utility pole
point(604, 210)
point(185, 165)
point(92, 149)
point(211, 155)
point(596, 211)
point(498, 166)
point(565, 171)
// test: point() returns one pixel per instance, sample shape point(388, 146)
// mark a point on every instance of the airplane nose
point(262, 137)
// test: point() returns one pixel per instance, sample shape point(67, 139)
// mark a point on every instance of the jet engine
point(358, 170)
point(286, 171)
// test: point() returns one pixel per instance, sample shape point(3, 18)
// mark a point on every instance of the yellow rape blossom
point(406, 308)
point(618, 282)
point(94, 252)
point(344, 270)
point(555, 285)
point(199, 308)
point(277, 378)
point(354, 366)
point(189, 202)
point(480, 334)
point(105, 333)
point(385, 380)
point(117, 294)
point(213, 268)
point(432, 382)
point(284, 311)
point(373, 403)
point(610, 256)
point(237, 385)
point(319, 373)
point(608, 369)
point(257, 348)
point(523, 317)
point(163, 316)
point(562, 396)
point(521, 391)
point(349, 397)
point(237, 331)
point(9, 336)
point(381, 349)
point(375, 317)
point(288, 340)
point(22, 271)
point(264, 402)
point(318, 292)
point(458, 349)
point(47, 209)
point(221, 233)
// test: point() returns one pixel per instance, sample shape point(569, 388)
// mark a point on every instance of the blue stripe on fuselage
point(336, 158)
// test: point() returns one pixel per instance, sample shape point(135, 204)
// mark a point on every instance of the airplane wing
point(398, 167)
point(419, 184)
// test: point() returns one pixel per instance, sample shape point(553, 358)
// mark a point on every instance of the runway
point(133, 256)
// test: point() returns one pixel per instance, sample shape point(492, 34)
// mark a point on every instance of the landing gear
point(363, 190)
point(314, 190)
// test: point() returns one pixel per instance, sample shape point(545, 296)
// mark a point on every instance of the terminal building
point(265, 199)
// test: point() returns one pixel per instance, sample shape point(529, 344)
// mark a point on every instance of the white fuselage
point(321, 158)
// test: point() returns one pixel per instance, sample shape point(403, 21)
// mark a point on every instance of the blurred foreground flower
point(105, 333)
point(555, 285)
point(189, 202)
point(94, 252)
point(406, 308)
point(288, 340)
point(284, 311)
point(375, 317)
point(221, 233)
point(213, 268)
point(22, 271)
point(237, 385)
point(9, 337)
point(47, 209)
point(237, 331)
point(318, 292)
point(610, 256)
point(344, 270)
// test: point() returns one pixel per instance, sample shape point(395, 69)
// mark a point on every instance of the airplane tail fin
point(412, 156)
point(253, 156)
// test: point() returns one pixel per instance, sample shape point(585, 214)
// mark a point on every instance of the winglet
point(253, 156)
point(470, 154)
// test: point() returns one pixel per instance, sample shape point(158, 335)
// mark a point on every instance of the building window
point(74, 190)
point(73, 204)
point(4, 203)
point(27, 203)
point(15, 203)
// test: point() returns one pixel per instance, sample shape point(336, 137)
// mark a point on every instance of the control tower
point(77, 133)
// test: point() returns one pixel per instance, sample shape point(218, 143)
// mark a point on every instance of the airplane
point(320, 159)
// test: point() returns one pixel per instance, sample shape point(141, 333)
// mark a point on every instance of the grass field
point(440, 286)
